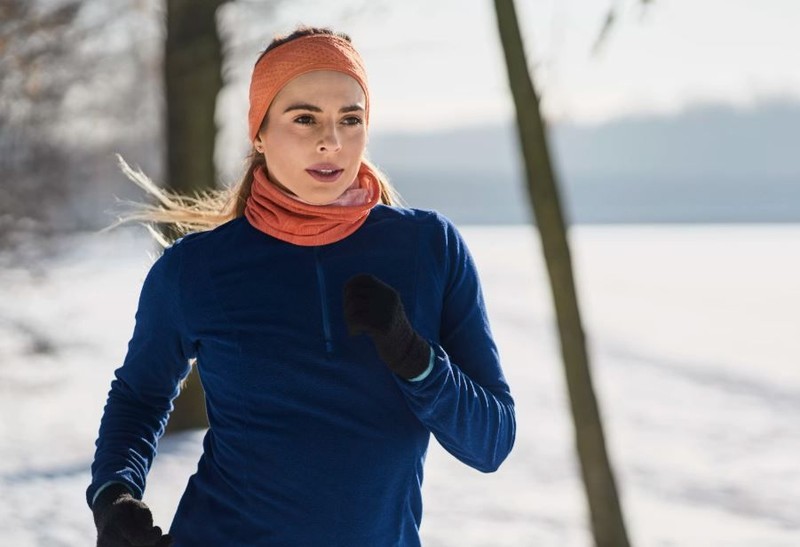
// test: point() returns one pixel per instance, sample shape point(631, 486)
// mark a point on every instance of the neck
point(275, 212)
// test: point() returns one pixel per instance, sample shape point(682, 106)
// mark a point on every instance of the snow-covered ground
point(694, 334)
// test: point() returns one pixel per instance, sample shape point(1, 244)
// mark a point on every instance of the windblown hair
point(181, 214)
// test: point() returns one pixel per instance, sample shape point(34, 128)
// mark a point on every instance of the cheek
point(282, 150)
point(358, 141)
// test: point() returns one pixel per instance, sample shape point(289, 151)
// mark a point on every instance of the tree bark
point(192, 81)
point(607, 521)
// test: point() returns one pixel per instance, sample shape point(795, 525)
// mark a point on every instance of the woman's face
point(315, 135)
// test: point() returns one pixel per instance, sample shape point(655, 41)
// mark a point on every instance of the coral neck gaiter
point(276, 213)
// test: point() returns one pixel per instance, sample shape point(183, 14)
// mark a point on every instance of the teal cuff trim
point(106, 485)
point(427, 370)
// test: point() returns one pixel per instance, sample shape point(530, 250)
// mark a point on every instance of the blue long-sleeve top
point(312, 440)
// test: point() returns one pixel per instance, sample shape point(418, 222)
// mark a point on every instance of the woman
point(333, 332)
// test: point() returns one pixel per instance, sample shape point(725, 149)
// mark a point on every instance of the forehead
point(322, 86)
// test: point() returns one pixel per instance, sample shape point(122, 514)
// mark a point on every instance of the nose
point(329, 139)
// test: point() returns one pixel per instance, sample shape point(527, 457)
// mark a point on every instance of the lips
point(325, 172)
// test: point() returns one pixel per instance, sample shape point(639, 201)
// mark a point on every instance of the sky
point(435, 65)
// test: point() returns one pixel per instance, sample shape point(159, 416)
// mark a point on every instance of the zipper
point(326, 326)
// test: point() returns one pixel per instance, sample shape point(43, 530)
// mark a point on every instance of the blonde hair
point(208, 209)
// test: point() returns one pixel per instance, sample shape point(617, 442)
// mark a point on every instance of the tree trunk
point(607, 521)
point(192, 81)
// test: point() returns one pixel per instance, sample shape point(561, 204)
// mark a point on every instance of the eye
point(305, 119)
point(352, 120)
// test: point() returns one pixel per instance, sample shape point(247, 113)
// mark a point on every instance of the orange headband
point(287, 61)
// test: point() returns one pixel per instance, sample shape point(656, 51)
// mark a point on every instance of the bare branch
point(609, 23)
point(611, 16)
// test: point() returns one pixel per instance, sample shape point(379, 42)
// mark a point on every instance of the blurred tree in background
point(607, 522)
point(35, 53)
point(76, 84)
point(192, 81)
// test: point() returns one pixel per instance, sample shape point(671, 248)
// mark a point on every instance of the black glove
point(124, 521)
point(373, 307)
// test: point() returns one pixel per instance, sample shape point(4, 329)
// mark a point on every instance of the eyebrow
point(312, 108)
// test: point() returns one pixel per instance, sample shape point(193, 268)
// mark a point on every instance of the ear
point(258, 143)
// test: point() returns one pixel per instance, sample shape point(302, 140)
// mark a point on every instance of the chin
point(320, 200)
point(328, 196)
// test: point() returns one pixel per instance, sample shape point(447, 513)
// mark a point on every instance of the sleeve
point(144, 387)
point(465, 400)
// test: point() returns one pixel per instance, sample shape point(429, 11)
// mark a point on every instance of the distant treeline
point(707, 164)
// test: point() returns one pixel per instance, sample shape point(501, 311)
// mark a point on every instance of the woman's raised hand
point(373, 307)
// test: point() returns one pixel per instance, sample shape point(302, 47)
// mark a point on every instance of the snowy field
point(694, 334)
